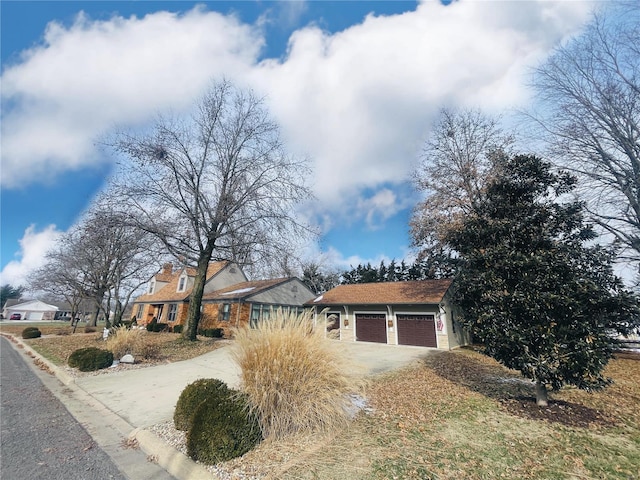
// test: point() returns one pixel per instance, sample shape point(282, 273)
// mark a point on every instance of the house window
point(182, 283)
point(255, 316)
point(152, 286)
point(173, 311)
point(139, 312)
point(226, 312)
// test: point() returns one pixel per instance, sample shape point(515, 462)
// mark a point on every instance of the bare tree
point(215, 185)
point(454, 169)
point(58, 279)
point(99, 259)
point(318, 277)
point(590, 113)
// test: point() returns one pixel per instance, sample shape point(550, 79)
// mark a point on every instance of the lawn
point(455, 415)
point(58, 342)
point(461, 415)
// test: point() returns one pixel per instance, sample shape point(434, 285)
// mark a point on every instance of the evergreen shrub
point(211, 332)
point(177, 329)
point(222, 429)
point(193, 395)
point(31, 332)
point(90, 358)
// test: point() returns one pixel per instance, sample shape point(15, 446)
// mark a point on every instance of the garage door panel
point(418, 330)
point(371, 328)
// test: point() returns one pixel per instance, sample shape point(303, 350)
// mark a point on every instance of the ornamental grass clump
point(295, 379)
point(123, 341)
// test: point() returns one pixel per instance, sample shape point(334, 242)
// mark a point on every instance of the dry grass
point(447, 419)
point(294, 377)
point(57, 343)
point(123, 341)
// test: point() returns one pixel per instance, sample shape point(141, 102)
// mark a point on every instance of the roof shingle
point(385, 293)
point(169, 292)
point(243, 290)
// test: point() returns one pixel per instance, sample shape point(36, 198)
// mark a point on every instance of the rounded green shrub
point(193, 395)
point(90, 359)
point(31, 332)
point(177, 329)
point(222, 429)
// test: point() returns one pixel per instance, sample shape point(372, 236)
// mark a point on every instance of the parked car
point(15, 316)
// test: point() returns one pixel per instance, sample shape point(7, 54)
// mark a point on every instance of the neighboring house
point(250, 302)
point(31, 310)
point(10, 303)
point(229, 299)
point(396, 313)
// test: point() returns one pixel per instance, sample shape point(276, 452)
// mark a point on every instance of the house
point(229, 298)
point(395, 313)
point(31, 310)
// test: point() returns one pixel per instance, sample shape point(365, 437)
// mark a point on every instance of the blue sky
point(355, 86)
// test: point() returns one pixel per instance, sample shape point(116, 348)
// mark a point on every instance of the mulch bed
point(558, 411)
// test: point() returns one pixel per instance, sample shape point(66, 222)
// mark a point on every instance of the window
point(173, 311)
point(226, 312)
point(152, 286)
point(182, 283)
point(139, 312)
point(255, 315)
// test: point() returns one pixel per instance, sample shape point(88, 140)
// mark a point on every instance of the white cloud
point(358, 102)
point(84, 79)
point(33, 246)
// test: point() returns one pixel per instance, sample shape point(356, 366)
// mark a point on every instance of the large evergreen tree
point(532, 286)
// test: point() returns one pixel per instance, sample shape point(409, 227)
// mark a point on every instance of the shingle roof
point(169, 292)
point(243, 290)
point(385, 293)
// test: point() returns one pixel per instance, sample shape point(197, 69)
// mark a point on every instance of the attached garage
point(412, 313)
point(418, 330)
point(371, 327)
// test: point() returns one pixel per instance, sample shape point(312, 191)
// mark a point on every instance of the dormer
point(161, 279)
point(183, 281)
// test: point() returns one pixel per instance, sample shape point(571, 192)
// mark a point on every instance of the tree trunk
point(195, 300)
point(542, 400)
point(93, 322)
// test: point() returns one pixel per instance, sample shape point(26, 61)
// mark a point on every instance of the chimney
point(167, 269)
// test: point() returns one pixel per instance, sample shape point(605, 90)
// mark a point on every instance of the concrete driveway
point(147, 396)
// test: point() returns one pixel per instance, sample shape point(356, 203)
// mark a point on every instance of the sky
point(354, 85)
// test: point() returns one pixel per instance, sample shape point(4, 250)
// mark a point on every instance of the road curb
point(170, 459)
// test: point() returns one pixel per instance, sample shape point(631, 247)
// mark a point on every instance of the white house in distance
point(32, 310)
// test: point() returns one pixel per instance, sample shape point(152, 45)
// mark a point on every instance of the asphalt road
point(39, 438)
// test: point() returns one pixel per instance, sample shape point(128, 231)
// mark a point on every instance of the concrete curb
point(157, 450)
point(173, 461)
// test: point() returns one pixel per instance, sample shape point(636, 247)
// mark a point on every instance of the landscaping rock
point(128, 358)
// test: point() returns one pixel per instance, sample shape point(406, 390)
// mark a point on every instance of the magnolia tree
point(532, 287)
point(216, 184)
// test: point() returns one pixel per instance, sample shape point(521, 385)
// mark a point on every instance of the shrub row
point(211, 332)
point(157, 327)
point(90, 359)
point(217, 420)
point(31, 332)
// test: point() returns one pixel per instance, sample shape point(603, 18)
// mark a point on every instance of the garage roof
point(385, 293)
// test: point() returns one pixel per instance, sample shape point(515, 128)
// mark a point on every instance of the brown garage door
point(419, 330)
point(371, 327)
